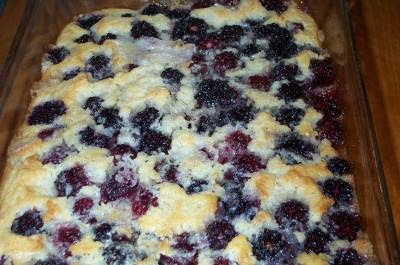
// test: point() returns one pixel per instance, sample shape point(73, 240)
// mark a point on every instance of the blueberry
point(102, 232)
point(178, 13)
point(87, 21)
point(260, 82)
point(189, 29)
point(141, 201)
point(251, 49)
point(239, 112)
point(248, 163)
point(294, 143)
point(27, 224)
point(290, 116)
point(67, 235)
point(171, 76)
point(51, 261)
point(323, 72)
point(221, 261)
point(219, 233)
point(339, 190)
point(145, 118)
point(143, 29)
point(206, 124)
point(270, 245)
point(348, 257)
point(283, 71)
point(99, 67)
point(83, 206)
point(290, 91)
point(153, 141)
point(166, 260)
point(109, 118)
point(47, 112)
point(108, 36)
point(279, 6)
point(292, 214)
point(154, 9)
point(212, 93)
point(122, 149)
point(120, 185)
point(117, 254)
point(183, 242)
point(230, 33)
point(197, 186)
point(345, 225)
point(316, 241)
point(57, 54)
point(234, 203)
point(332, 130)
point(89, 136)
point(225, 61)
point(281, 43)
point(46, 133)
point(228, 3)
point(83, 39)
point(56, 155)
point(93, 104)
point(71, 74)
point(339, 166)
point(70, 181)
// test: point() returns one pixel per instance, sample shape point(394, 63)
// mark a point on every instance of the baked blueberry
point(292, 214)
point(71, 74)
point(279, 6)
point(212, 93)
point(348, 256)
point(70, 181)
point(154, 9)
point(28, 224)
point(344, 225)
point(219, 233)
point(47, 112)
point(67, 235)
point(87, 21)
point(99, 67)
point(108, 36)
point(89, 136)
point(143, 29)
point(102, 232)
point(171, 76)
point(154, 141)
point(338, 189)
point(289, 115)
point(293, 143)
point(145, 118)
point(339, 166)
point(317, 241)
point(56, 155)
point(83, 39)
point(57, 54)
point(189, 29)
point(51, 261)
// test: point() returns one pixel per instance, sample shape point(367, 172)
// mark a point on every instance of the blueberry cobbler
point(191, 134)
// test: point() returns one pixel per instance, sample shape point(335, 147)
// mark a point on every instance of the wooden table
point(376, 25)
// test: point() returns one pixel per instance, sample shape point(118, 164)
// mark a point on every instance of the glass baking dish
point(43, 20)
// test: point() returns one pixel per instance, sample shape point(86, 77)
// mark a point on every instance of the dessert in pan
point(183, 135)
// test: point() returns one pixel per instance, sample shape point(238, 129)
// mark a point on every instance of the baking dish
point(43, 20)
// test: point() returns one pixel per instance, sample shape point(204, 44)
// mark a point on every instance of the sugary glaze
point(183, 135)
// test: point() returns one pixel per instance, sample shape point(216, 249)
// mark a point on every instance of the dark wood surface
point(377, 37)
